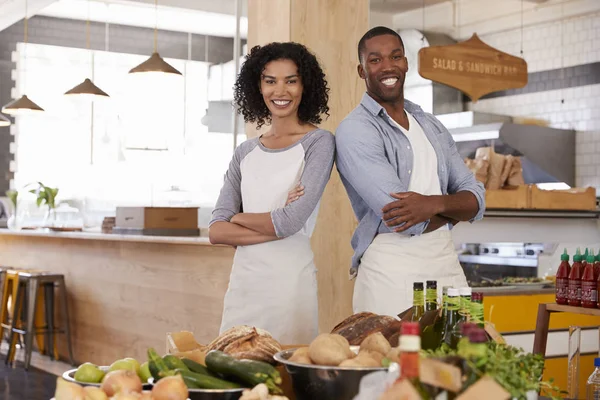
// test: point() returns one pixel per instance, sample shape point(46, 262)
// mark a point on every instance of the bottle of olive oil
point(431, 296)
point(418, 302)
point(451, 315)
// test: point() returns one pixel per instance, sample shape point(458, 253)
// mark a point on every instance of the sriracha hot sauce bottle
point(589, 287)
point(597, 265)
point(575, 280)
point(562, 279)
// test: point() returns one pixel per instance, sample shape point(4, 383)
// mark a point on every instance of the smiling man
point(407, 184)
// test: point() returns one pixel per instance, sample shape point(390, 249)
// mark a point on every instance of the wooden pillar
point(331, 29)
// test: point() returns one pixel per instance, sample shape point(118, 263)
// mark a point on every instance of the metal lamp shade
point(4, 121)
point(155, 64)
point(87, 87)
point(21, 105)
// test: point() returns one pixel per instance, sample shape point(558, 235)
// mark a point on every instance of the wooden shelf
point(573, 310)
point(543, 321)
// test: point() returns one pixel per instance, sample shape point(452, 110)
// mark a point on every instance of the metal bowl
point(211, 394)
point(316, 382)
point(69, 376)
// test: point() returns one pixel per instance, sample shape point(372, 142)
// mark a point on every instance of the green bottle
point(465, 303)
point(464, 315)
point(451, 315)
point(418, 302)
point(431, 296)
point(477, 309)
point(476, 351)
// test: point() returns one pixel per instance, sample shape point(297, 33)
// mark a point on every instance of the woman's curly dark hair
point(315, 93)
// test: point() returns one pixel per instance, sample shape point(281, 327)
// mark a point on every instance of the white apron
point(273, 285)
point(393, 262)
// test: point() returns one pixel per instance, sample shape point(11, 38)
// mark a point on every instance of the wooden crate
point(517, 198)
point(570, 199)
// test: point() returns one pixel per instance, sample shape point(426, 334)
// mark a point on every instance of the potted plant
point(13, 221)
point(46, 196)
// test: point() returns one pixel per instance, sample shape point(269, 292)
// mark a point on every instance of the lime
point(135, 363)
point(145, 372)
point(89, 373)
point(123, 364)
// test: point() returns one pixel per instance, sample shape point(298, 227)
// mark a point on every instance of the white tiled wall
point(581, 107)
point(578, 37)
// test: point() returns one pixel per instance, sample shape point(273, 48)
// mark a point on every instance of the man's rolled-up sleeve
point(362, 161)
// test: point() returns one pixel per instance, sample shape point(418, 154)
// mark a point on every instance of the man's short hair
point(373, 32)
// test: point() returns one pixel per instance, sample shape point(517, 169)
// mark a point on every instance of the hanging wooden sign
point(472, 67)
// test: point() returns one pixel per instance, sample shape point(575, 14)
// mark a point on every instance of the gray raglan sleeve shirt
point(319, 153)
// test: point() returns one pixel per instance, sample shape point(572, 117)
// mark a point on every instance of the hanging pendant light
point(155, 63)
point(4, 121)
point(22, 105)
point(87, 88)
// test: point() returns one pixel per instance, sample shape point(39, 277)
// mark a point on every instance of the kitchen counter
point(517, 291)
point(97, 235)
point(125, 292)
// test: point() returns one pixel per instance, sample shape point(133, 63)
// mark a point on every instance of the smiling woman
point(283, 85)
point(305, 75)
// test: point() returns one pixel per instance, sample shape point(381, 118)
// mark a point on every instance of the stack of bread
point(496, 171)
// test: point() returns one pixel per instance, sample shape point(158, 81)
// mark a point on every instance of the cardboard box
point(157, 218)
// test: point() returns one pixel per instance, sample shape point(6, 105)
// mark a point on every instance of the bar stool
point(29, 284)
point(3, 302)
point(8, 290)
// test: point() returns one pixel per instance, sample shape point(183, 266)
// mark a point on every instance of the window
point(130, 149)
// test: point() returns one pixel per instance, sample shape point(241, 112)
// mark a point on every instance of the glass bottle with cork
point(464, 315)
point(589, 286)
point(477, 309)
point(418, 308)
point(562, 279)
point(574, 294)
point(451, 315)
point(431, 296)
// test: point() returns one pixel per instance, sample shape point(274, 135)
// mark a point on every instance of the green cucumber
point(174, 362)
point(246, 371)
point(154, 370)
point(160, 366)
point(200, 381)
point(197, 367)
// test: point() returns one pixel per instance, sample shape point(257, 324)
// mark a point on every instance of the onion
point(170, 388)
point(126, 396)
point(146, 395)
point(121, 381)
point(68, 390)
point(94, 393)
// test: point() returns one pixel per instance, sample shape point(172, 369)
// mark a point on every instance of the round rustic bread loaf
point(246, 342)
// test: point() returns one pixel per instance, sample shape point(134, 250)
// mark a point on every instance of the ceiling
point(398, 6)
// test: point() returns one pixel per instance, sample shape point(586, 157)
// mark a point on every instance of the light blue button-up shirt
point(374, 158)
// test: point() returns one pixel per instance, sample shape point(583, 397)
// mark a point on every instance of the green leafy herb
point(45, 195)
point(515, 370)
point(13, 196)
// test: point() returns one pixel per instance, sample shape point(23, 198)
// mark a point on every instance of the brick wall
point(564, 86)
point(122, 39)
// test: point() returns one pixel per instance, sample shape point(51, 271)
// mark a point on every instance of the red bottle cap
point(467, 327)
point(477, 335)
point(477, 296)
point(409, 328)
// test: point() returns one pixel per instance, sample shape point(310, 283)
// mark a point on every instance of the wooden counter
point(126, 292)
